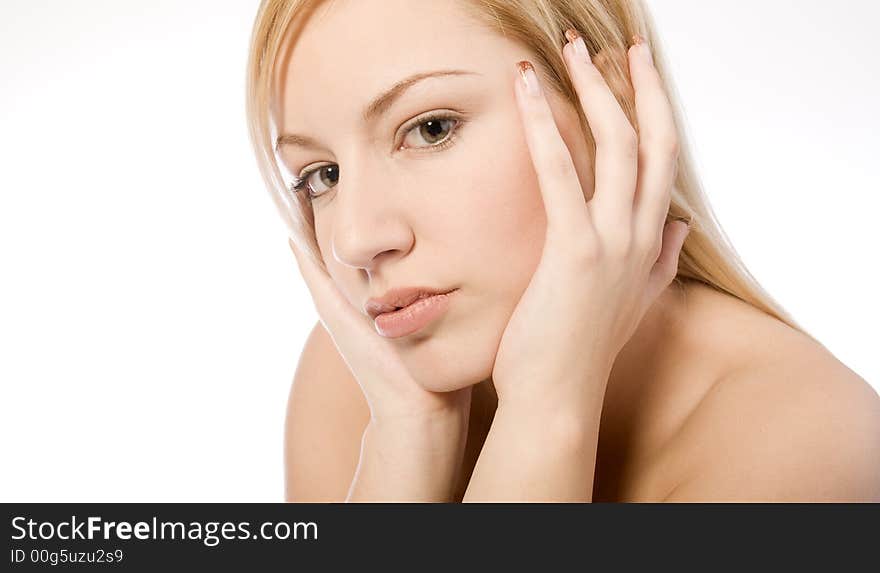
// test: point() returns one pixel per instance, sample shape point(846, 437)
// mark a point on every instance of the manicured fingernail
point(530, 79)
point(577, 42)
point(643, 48)
point(686, 220)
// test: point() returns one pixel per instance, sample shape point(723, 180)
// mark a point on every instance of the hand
point(391, 392)
point(604, 261)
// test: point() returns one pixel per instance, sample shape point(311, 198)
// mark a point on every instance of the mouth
point(400, 298)
point(409, 319)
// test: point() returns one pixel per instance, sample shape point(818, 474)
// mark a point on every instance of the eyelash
point(300, 182)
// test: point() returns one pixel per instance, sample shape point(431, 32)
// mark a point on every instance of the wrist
point(564, 413)
point(541, 423)
point(440, 413)
point(571, 400)
point(410, 459)
point(432, 430)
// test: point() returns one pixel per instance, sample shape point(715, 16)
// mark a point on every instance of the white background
point(151, 313)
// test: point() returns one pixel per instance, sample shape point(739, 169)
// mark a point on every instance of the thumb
point(309, 267)
point(369, 357)
point(664, 270)
point(337, 314)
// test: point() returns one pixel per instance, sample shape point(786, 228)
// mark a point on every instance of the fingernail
point(577, 42)
point(529, 77)
point(643, 48)
point(687, 228)
point(686, 220)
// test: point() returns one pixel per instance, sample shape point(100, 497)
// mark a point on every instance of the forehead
point(349, 50)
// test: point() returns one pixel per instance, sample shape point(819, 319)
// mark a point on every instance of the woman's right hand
point(391, 392)
point(413, 447)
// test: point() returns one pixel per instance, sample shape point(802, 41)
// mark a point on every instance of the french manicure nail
point(529, 77)
point(686, 220)
point(577, 42)
point(643, 47)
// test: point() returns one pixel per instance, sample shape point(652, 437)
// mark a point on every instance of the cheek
point(486, 206)
point(499, 227)
point(506, 217)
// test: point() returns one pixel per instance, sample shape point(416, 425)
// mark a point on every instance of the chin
point(460, 365)
point(457, 351)
point(433, 383)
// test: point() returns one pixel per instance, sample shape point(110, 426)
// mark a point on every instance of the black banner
point(282, 537)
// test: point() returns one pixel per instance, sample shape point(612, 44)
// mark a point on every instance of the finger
point(563, 197)
point(368, 356)
point(658, 144)
point(337, 314)
point(616, 140)
point(666, 267)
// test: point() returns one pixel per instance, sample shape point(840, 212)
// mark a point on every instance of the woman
point(567, 336)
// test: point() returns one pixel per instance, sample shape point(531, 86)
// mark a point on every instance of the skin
point(373, 231)
point(689, 406)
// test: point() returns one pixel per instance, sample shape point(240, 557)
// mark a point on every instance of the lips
point(397, 298)
point(413, 318)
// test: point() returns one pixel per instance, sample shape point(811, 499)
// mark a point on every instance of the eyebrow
point(376, 108)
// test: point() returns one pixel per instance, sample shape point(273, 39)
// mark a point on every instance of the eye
point(437, 129)
point(326, 174)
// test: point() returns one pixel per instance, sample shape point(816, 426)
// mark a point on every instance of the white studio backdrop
point(151, 313)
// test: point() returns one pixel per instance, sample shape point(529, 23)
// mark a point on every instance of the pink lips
point(412, 318)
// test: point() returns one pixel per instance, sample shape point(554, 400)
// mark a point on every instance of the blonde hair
point(607, 27)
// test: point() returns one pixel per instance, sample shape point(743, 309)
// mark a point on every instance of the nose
point(370, 220)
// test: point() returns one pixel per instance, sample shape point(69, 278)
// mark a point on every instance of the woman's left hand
point(604, 261)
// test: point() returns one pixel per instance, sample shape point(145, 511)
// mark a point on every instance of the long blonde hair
point(607, 26)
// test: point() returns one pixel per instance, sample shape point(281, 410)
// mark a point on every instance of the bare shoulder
point(786, 422)
point(326, 418)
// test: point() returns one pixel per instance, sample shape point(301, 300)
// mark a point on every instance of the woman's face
point(449, 204)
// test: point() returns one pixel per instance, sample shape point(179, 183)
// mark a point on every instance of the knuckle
point(654, 248)
point(668, 145)
point(628, 136)
point(620, 246)
point(627, 141)
point(587, 252)
point(560, 166)
point(649, 244)
point(672, 146)
point(665, 144)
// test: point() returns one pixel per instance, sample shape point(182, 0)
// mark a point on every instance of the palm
point(387, 384)
point(537, 324)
